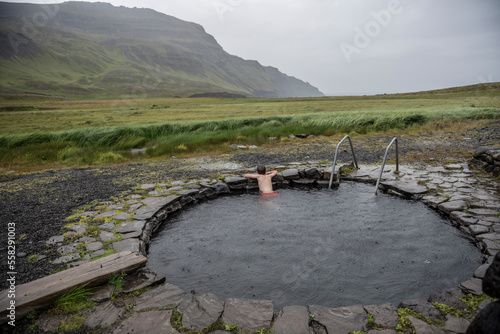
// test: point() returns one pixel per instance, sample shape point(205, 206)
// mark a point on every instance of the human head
point(261, 169)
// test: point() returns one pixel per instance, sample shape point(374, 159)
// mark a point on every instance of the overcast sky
point(357, 47)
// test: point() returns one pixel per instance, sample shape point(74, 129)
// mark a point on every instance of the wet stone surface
point(445, 188)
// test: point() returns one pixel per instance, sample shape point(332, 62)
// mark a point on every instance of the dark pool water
point(326, 247)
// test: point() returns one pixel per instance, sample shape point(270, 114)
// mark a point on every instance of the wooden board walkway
point(42, 292)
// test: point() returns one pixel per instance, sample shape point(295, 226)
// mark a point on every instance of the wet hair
point(261, 169)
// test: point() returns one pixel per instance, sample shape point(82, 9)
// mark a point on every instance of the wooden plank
point(42, 292)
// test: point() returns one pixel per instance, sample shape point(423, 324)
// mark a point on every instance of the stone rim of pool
point(449, 189)
point(332, 248)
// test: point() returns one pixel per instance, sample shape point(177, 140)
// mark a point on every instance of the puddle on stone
point(305, 247)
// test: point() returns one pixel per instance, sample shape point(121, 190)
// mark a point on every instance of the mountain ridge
point(97, 50)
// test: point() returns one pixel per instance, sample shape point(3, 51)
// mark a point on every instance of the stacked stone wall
point(488, 159)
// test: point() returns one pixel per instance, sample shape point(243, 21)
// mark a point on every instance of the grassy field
point(38, 132)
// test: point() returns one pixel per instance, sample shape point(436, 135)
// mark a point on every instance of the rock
point(450, 298)
point(104, 314)
point(221, 188)
point(134, 207)
point(159, 202)
point(491, 281)
point(407, 189)
point(94, 246)
point(455, 325)
point(491, 247)
point(292, 320)
point(67, 258)
point(481, 271)
point(107, 227)
point(290, 174)
point(473, 286)
point(301, 135)
point(478, 229)
point(421, 306)
point(421, 327)
point(55, 240)
point(146, 212)
point(107, 236)
point(481, 150)
point(232, 180)
point(188, 192)
point(94, 254)
point(106, 214)
point(132, 245)
point(200, 311)
point(304, 181)
point(122, 216)
point(385, 316)
point(40, 257)
point(148, 186)
point(129, 235)
point(342, 319)
point(141, 278)
point(453, 206)
point(86, 239)
point(248, 313)
point(115, 207)
point(130, 226)
point(80, 228)
point(164, 296)
point(208, 193)
point(102, 294)
point(346, 169)
point(138, 150)
point(177, 183)
point(484, 212)
point(434, 201)
point(71, 248)
point(152, 322)
point(489, 236)
point(487, 321)
point(313, 173)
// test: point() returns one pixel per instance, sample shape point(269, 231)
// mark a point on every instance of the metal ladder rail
point(395, 139)
point(335, 158)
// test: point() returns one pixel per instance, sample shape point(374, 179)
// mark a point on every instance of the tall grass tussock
point(112, 144)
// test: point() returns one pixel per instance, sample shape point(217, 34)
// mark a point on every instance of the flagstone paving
point(470, 197)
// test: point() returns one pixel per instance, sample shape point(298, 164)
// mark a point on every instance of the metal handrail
point(335, 159)
point(385, 158)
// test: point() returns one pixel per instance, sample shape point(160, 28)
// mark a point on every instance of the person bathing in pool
point(264, 179)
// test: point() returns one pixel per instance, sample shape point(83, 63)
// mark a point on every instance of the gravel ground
point(39, 203)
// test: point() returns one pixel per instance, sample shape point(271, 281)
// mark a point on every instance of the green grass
point(73, 301)
point(85, 132)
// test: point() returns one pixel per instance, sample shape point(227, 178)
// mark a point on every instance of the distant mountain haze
point(97, 50)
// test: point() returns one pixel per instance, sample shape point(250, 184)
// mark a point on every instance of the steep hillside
point(96, 50)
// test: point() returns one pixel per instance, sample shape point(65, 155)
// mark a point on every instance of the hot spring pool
point(314, 247)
